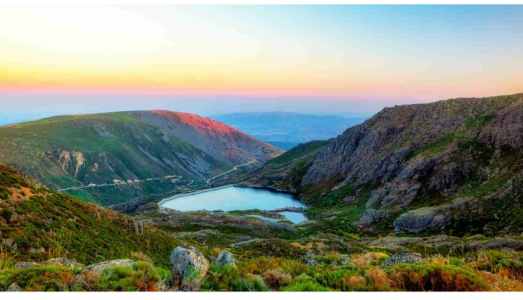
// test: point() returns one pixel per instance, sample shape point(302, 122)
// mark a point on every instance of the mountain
point(452, 167)
point(118, 156)
point(286, 130)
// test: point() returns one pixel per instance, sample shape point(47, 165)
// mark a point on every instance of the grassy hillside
point(43, 224)
point(72, 151)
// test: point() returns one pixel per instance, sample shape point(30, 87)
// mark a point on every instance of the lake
point(237, 198)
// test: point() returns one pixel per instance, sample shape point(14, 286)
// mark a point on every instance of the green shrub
point(435, 277)
point(44, 278)
point(308, 286)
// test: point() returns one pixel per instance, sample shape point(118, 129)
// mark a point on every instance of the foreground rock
point(98, 268)
point(189, 266)
point(225, 258)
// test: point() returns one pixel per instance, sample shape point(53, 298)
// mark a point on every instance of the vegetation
point(44, 223)
point(71, 151)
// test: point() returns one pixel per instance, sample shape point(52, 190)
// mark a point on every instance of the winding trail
point(231, 170)
point(174, 177)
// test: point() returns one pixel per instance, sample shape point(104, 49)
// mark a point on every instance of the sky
point(342, 60)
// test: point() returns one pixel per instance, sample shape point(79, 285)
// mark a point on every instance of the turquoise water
point(294, 217)
point(237, 198)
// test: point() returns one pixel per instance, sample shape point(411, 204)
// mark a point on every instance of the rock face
point(188, 267)
point(225, 258)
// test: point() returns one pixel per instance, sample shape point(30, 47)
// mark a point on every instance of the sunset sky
point(344, 60)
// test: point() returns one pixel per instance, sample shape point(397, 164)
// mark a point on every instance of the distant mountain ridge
point(286, 129)
point(68, 151)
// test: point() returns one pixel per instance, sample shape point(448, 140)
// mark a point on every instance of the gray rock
point(425, 218)
point(349, 199)
point(312, 263)
point(98, 268)
point(188, 264)
point(246, 243)
point(495, 244)
point(402, 258)
point(225, 258)
point(14, 288)
point(63, 262)
point(430, 218)
point(25, 265)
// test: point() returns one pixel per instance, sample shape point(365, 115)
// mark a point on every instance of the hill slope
point(451, 166)
point(37, 223)
point(71, 151)
point(286, 130)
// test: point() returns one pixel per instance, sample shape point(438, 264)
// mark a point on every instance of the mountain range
point(425, 197)
point(286, 130)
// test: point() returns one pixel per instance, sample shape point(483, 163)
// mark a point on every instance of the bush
point(308, 286)
point(276, 278)
point(44, 278)
point(434, 277)
point(226, 278)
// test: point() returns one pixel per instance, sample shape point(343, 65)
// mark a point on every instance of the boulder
point(225, 258)
point(14, 288)
point(98, 268)
point(188, 267)
point(425, 218)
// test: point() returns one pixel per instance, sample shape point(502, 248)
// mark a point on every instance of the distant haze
point(286, 130)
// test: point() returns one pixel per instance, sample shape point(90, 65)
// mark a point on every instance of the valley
point(398, 196)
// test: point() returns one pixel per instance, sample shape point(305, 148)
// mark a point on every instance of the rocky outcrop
point(402, 258)
point(429, 218)
point(189, 266)
point(495, 244)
